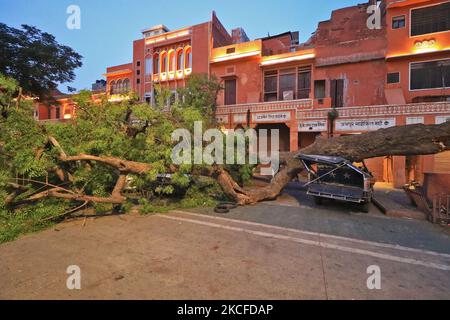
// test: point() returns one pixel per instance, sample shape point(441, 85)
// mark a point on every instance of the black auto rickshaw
point(338, 178)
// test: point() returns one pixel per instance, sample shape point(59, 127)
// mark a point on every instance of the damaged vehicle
point(339, 179)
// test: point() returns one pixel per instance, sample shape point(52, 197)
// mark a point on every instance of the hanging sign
point(313, 126)
point(442, 119)
point(272, 117)
point(364, 125)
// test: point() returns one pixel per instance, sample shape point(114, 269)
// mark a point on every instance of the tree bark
point(396, 141)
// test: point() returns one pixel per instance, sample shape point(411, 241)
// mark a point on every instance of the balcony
point(237, 51)
point(413, 109)
point(302, 104)
point(169, 76)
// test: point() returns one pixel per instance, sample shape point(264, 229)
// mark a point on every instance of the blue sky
point(108, 27)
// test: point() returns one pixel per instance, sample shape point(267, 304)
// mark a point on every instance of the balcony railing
point(170, 75)
point(265, 106)
point(380, 110)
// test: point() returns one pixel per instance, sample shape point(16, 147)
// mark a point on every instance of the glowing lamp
point(236, 56)
point(425, 46)
point(288, 59)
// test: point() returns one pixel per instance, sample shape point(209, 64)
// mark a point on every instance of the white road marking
point(372, 243)
point(312, 243)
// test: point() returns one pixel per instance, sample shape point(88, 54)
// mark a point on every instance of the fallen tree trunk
point(410, 140)
point(396, 141)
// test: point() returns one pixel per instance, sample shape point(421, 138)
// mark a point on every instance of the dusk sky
point(109, 27)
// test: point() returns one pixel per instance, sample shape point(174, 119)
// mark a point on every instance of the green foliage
point(203, 192)
point(29, 219)
point(9, 87)
point(148, 207)
point(35, 59)
point(200, 94)
point(129, 130)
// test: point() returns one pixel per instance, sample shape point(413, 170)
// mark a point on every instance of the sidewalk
point(395, 203)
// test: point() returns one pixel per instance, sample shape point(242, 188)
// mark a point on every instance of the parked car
point(338, 178)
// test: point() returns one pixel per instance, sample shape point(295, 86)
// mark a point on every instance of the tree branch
point(399, 141)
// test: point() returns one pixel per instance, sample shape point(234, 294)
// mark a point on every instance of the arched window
point(148, 66)
point(171, 60)
point(156, 63)
point(126, 85)
point(188, 58)
point(180, 59)
point(119, 87)
point(163, 62)
point(112, 87)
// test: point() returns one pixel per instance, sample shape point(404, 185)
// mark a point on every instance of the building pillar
point(399, 171)
point(230, 121)
point(293, 132)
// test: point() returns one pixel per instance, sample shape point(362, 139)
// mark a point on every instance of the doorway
point(230, 92)
point(284, 142)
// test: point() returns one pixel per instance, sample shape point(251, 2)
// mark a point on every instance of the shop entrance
point(414, 169)
point(284, 143)
point(388, 170)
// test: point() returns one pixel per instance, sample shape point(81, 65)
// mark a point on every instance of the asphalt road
point(270, 251)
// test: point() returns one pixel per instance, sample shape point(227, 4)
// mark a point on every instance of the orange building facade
point(395, 74)
point(166, 58)
point(63, 109)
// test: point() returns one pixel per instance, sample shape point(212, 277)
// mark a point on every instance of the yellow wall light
point(425, 46)
point(288, 59)
point(236, 56)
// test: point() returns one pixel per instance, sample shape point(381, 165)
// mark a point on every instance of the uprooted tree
point(119, 153)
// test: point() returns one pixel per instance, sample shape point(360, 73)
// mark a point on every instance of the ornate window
point(188, 58)
point(112, 87)
point(171, 60)
point(119, 87)
point(148, 66)
point(126, 85)
point(163, 62)
point(180, 59)
point(156, 65)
